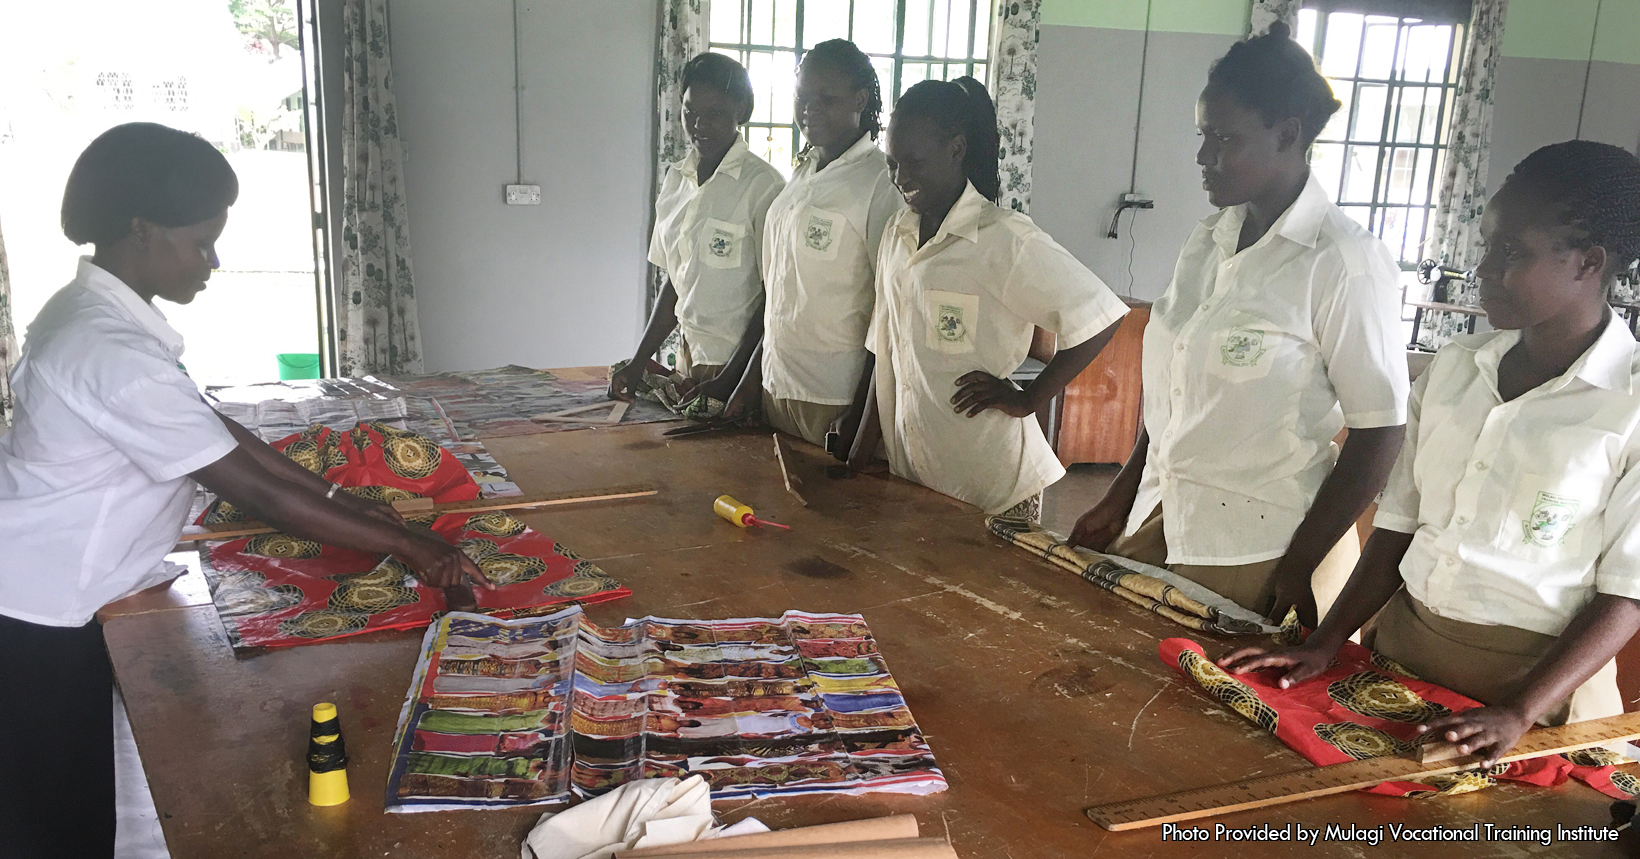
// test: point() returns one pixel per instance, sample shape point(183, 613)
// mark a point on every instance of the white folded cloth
point(645, 813)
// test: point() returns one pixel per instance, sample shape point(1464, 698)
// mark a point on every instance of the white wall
point(555, 285)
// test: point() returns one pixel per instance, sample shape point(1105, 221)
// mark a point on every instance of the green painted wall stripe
point(1540, 29)
point(1219, 17)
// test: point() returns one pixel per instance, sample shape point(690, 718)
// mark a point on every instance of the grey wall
point(555, 285)
point(1087, 91)
point(1536, 104)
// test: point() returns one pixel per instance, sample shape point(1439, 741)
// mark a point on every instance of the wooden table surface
point(1039, 693)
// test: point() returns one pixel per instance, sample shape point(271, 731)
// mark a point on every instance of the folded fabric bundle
point(899, 827)
point(667, 389)
point(1168, 594)
point(646, 813)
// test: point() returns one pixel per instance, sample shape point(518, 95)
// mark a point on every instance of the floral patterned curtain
point(378, 330)
point(1267, 12)
point(682, 36)
point(1455, 233)
point(8, 339)
point(1015, 34)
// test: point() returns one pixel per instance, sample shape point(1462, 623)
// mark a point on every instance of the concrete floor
point(1082, 487)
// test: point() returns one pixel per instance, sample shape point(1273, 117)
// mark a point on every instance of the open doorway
point(231, 71)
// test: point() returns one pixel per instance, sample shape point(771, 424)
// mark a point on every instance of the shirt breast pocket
point(952, 319)
point(722, 244)
point(1550, 517)
point(819, 232)
point(1244, 348)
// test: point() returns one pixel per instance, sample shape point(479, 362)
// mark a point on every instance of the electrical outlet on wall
point(523, 195)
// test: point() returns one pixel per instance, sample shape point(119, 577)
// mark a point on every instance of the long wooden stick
point(785, 473)
point(234, 530)
point(1266, 791)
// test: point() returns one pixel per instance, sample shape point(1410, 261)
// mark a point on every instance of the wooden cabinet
point(1100, 409)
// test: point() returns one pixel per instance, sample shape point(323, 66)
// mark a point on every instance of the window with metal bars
point(908, 41)
point(1395, 66)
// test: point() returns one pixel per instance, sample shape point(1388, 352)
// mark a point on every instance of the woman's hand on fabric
point(720, 388)
point(623, 383)
point(439, 564)
point(1486, 731)
point(739, 403)
point(373, 509)
point(1304, 662)
point(1102, 524)
point(979, 390)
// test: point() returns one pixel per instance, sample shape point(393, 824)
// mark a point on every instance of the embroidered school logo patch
point(721, 244)
point(950, 326)
point(1550, 519)
point(1242, 347)
point(818, 234)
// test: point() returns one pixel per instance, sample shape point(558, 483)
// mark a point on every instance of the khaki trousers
point(688, 369)
point(807, 421)
point(1247, 585)
point(1483, 661)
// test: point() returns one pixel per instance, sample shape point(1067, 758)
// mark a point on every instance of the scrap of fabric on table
point(526, 711)
point(1168, 594)
point(499, 402)
point(274, 590)
point(674, 392)
point(1367, 706)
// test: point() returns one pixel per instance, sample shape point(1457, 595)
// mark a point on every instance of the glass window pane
point(1392, 229)
point(982, 30)
point(1378, 52)
point(760, 68)
point(1368, 122)
point(980, 72)
point(773, 145)
point(724, 25)
point(916, 27)
point(1456, 66)
point(1339, 124)
point(1360, 172)
point(782, 83)
point(1420, 178)
point(785, 23)
point(1358, 214)
point(1398, 172)
point(940, 26)
point(874, 26)
point(1343, 45)
point(911, 73)
point(759, 21)
point(1327, 166)
point(1412, 248)
point(957, 28)
point(824, 19)
point(885, 79)
point(1426, 53)
point(1306, 29)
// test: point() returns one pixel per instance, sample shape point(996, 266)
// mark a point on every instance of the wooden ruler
point(422, 506)
point(1266, 791)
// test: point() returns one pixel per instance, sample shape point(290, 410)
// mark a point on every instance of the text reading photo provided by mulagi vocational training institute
point(1391, 833)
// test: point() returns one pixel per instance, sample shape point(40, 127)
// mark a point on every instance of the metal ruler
point(1266, 791)
point(423, 506)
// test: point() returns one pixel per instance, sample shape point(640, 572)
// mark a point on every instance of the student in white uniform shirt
point(1505, 562)
point(1281, 326)
point(820, 250)
point(98, 471)
point(961, 284)
point(709, 238)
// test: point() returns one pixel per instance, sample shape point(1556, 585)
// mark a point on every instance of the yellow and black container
point(327, 758)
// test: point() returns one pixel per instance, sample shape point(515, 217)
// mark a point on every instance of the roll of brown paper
point(899, 826)
point(904, 848)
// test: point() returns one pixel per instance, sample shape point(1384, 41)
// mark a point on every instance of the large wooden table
point(1040, 694)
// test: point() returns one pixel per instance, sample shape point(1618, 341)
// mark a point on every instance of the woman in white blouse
point(1281, 326)
point(820, 253)
point(960, 285)
point(708, 239)
point(1505, 564)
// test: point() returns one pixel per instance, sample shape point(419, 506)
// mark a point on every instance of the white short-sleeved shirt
point(1252, 363)
point(819, 267)
point(1521, 511)
point(965, 301)
point(94, 486)
point(708, 239)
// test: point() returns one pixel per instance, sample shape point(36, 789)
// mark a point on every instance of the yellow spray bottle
point(740, 514)
point(327, 758)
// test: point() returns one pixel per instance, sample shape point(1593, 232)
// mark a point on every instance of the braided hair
point(961, 107)
point(1598, 188)
point(1273, 75)
point(844, 56)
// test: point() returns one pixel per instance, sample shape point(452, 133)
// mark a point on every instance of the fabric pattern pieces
point(665, 390)
point(1455, 228)
point(498, 403)
point(1159, 592)
point(1016, 32)
point(274, 590)
point(378, 331)
point(507, 713)
point(1364, 706)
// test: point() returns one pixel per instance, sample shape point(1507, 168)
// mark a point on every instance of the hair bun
point(1280, 30)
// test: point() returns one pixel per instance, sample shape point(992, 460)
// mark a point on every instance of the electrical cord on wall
point(1587, 68)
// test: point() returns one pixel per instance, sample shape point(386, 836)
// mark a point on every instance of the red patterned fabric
point(1365, 706)
point(273, 590)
